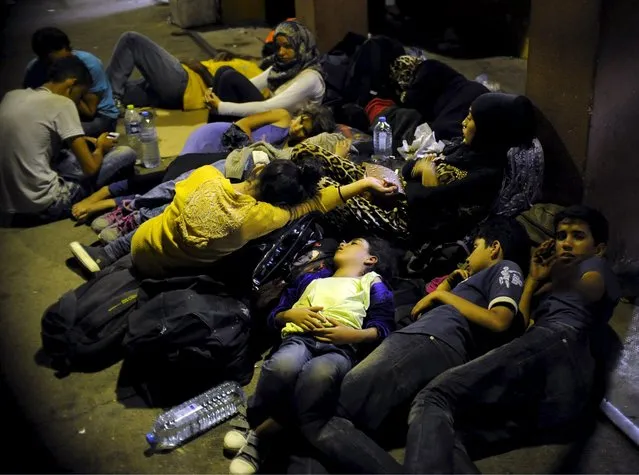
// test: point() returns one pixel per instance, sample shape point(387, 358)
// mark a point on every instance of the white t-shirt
point(33, 125)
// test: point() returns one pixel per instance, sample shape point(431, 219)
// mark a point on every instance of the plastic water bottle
point(492, 86)
point(132, 125)
point(196, 416)
point(382, 140)
point(149, 138)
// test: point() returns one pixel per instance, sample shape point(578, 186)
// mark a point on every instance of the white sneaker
point(247, 460)
point(237, 437)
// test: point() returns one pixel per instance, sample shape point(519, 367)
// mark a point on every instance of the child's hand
point(424, 304)
point(381, 186)
point(542, 261)
point(338, 334)
point(306, 318)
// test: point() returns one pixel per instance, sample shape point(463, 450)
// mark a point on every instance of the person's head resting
point(294, 43)
point(50, 44)
point(498, 239)
point(309, 121)
point(366, 254)
point(581, 232)
point(69, 77)
point(286, 183)
point(499, 121)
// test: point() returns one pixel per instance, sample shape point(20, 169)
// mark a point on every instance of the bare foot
point(82, 211)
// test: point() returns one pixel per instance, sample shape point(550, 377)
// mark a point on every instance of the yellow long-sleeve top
point(208, 220)
point(195, 88)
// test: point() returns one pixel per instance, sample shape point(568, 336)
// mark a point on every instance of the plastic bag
point(425, 143)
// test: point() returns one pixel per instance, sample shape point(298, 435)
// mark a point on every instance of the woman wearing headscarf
point(450, 194)
point(293, 81)
point(444, 197)
point(424, 90)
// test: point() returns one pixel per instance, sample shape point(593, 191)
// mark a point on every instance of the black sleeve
point(478, 186)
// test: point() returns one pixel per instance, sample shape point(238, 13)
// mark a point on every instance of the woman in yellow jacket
point(209, 217)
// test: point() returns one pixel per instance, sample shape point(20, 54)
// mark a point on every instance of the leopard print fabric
point(368, 217)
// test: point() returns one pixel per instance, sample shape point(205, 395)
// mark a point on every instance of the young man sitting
point(456, 323)
point(323, 318)
point(97, 108)
point(540, 383)
point(38, 180)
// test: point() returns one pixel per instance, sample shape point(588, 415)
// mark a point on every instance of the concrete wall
point(612, 169)
point(330, 20)
point(583, 74)
point(564, 36)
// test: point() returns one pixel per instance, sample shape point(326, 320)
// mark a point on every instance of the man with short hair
point(38, 179)
point(97, 108)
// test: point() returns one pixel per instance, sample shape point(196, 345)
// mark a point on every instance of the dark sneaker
point(93, 259)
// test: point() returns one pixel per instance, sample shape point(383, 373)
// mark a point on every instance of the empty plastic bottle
point(382, 140)
point(195, 416)
point(149, 138)
point(132, 126)
point(492, 86)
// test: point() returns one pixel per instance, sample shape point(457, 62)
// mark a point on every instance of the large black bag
point(83, 331)
point(369, 74)
point(186, 335)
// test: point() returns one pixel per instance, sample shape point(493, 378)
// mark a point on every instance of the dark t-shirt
point(501, 284)
point(565, 305)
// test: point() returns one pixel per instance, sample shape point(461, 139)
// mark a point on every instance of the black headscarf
point(502, 121)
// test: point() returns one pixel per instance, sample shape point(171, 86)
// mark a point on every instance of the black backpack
point(369, 74)
point(266, 258)
point(83, 331)
point(186, 335)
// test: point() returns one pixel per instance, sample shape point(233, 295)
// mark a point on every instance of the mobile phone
point(113, 135)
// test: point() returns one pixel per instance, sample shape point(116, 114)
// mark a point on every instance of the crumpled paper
point(425, 143)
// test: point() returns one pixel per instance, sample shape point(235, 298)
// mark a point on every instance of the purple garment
point(380, 313)
point(208, 138)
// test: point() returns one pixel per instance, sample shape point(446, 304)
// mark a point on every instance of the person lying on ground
point(295, 80)
point(324, 317)
point(540, 385)
point(436, 91)
point(39, 181)
point(209, 217)
point(447, 196)
point(166, 81)
point(474, 311)
point(276, 127)
point(97, 108)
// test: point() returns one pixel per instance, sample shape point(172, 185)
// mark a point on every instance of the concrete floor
point(77, 424)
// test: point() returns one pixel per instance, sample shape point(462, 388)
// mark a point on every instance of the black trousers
point(231, 86)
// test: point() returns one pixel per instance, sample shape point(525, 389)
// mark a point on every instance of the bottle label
point(186, 412)
point(133, 128)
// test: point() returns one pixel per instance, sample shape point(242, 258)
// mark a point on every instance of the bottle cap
point(150, 438)
point(144, 113)
point(382, 119)
point(130, 107)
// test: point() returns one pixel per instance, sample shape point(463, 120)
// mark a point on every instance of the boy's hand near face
point(542, 261)
point(340, 334)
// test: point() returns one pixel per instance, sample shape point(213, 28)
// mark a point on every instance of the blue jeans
point(116, 164)
point(98, 125)
point(164, 79)
point(384, 382)
point(299, 383)
point(537, 384)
